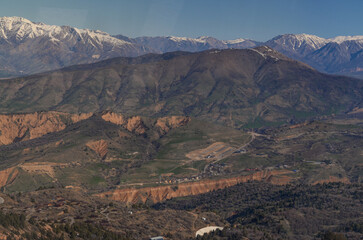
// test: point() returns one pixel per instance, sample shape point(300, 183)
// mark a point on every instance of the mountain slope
point(337, 57)
point(230, 86)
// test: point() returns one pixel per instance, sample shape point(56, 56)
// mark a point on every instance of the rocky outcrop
point(165, 124)
point(136, 125)
point(114, 118)
point(133, 124)
point(100, 147)
point(20, 127)
point(161, 193)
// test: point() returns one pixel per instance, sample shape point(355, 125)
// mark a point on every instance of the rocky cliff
point(165, 124)
point(161, 193)
point(133, 124)
point(136, 124)
point(114, 118)
point(19, 127)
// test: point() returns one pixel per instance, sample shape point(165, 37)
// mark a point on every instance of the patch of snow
point(340, 39)
point(263, 55)
point(186, 39)
point(202, 38)
point(235, 41)
point(214, 52)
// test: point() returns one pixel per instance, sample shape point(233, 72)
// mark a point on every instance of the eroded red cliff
point(100, 147)
point(19, 127)
point(136, 124)
point(161, 193)
point(165, 124)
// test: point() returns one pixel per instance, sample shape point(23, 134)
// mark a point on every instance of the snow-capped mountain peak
point(14, 20)
point(18, 28)
point(36, 47)
point(300, 40)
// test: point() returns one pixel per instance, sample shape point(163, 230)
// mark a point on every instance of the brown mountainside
point(229, 86)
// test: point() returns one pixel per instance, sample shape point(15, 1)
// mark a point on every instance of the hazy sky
point(224, 19)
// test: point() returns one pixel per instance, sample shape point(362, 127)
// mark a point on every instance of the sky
point(224, 19)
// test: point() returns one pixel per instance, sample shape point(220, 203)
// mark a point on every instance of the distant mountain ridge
point(172, 43)
point(27, 47)
point(339, 55)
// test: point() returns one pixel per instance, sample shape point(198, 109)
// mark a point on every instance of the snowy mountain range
point(27, 47)
point(339, 55)
point(172, 43)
